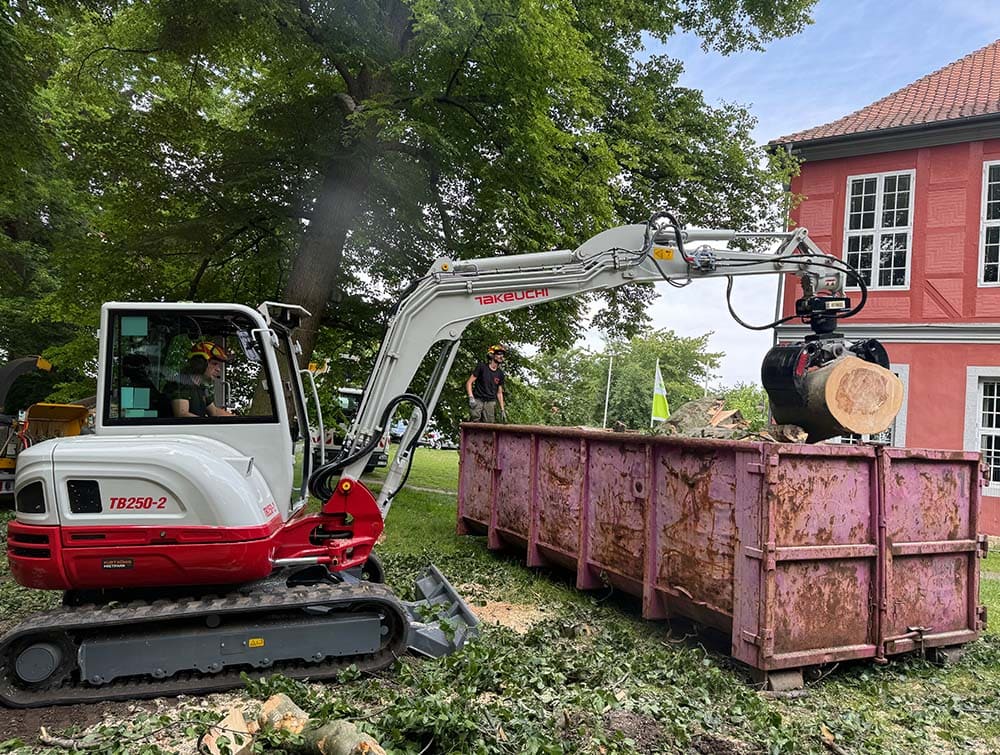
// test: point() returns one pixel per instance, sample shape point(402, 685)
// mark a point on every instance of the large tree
point(329, 151)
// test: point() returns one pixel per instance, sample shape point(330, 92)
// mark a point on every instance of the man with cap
point(192, 394)
point(485, 387)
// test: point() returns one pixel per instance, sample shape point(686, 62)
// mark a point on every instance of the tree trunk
point(316, 269)
point(848, 395)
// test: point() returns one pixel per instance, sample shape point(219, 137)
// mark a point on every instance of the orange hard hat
point(496, 349)
point(208, 350)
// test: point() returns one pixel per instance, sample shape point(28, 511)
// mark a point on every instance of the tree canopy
point(325, 152)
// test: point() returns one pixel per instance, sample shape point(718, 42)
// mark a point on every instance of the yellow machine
point(40, 422)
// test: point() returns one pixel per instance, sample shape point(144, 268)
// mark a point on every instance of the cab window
point(173, 367)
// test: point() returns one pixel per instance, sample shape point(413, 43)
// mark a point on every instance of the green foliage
point(751, 401)
point(568, 387)
point(174, 150)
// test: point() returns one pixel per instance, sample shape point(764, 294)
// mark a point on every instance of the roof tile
point(966, 88)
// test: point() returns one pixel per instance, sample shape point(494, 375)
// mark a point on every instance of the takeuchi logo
point(532, 293)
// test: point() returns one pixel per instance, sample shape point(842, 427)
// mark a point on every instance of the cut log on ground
point(279, 712)
point(339, 738)
point(849, 395)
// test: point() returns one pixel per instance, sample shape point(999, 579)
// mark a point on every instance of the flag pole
point(607, 391)
point(652, 412)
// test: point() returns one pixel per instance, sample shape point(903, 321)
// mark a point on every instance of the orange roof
point(966, 88)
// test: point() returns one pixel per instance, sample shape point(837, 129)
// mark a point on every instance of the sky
point(855, 52)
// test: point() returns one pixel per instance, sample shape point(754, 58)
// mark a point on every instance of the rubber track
point(89, 620)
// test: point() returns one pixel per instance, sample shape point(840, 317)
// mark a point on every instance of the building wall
point(943, 284)
point(944, 264)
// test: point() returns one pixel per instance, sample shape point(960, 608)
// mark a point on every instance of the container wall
point(694, 529)
point(805, 554)
point(815, 563)
point(932, 548)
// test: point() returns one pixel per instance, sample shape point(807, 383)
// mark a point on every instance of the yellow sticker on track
point(255, 642)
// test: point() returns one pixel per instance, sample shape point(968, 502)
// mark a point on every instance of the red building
point(908, 191)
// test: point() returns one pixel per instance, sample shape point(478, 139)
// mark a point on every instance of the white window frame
point(983, 225)
point(898, 426)
point(974, 378)
point(878, 230)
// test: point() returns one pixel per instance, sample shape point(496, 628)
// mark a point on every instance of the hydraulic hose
point(319, 481)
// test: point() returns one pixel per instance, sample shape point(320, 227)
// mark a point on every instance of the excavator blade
point(440, 621)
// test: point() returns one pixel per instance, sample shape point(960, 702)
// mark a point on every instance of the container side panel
point(477, 475)
point(819, 598)
point(929, 591)
point(513, 494)
point(696, 516)
point(931, 559)
point(823, 500)
point(560, 488)
point(748, 566)
point(823, 604)
point(928, 500)
point(617, 489)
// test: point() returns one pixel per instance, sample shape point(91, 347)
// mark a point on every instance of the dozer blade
point(440, 622)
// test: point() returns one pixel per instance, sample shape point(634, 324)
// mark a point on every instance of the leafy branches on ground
point(751, 401)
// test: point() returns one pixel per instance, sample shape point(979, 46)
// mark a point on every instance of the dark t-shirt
point(487, 382)
point(199, 397)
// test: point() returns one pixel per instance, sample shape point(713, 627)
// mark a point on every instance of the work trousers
point(483, 411)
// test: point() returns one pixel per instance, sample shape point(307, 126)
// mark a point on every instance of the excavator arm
point(453, 293)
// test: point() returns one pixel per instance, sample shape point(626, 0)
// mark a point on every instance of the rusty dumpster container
point(803, 554)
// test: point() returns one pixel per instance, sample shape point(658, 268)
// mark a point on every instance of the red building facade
point(908, 191)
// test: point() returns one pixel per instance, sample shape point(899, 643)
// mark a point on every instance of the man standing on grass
point(485, 387)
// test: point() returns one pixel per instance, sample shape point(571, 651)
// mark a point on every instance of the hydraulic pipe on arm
point(455, 293)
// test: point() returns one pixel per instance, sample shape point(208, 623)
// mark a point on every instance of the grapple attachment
point(830, 386)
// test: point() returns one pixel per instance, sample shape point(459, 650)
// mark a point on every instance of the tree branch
point(196, 280)
point(112, 48)
point(462, 62)
point(346, 102)
point(464, 108)
point(308, 25)
point(471, 113)
point(405, 149)
point(446, 227)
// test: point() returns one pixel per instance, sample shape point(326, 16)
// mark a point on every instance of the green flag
point(661, 409)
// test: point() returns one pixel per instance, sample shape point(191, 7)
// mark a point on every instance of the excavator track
point(62, 638)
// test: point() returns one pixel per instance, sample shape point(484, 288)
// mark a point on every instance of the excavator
point(185, 550)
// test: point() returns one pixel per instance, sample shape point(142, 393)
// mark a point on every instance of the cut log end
point(849, 395)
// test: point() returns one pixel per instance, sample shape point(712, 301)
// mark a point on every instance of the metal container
point(804, 554)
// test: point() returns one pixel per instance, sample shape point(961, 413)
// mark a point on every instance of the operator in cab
point(192, 395)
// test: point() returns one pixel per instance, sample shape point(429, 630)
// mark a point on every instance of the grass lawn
point(586, 675)
point(431, 469)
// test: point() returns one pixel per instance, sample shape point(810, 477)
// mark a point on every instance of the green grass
point(591, 662)
point(431, 469)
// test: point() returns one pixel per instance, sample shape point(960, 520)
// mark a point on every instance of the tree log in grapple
point(853, 392)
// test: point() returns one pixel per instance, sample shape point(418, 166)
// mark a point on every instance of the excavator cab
point(196, 510)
